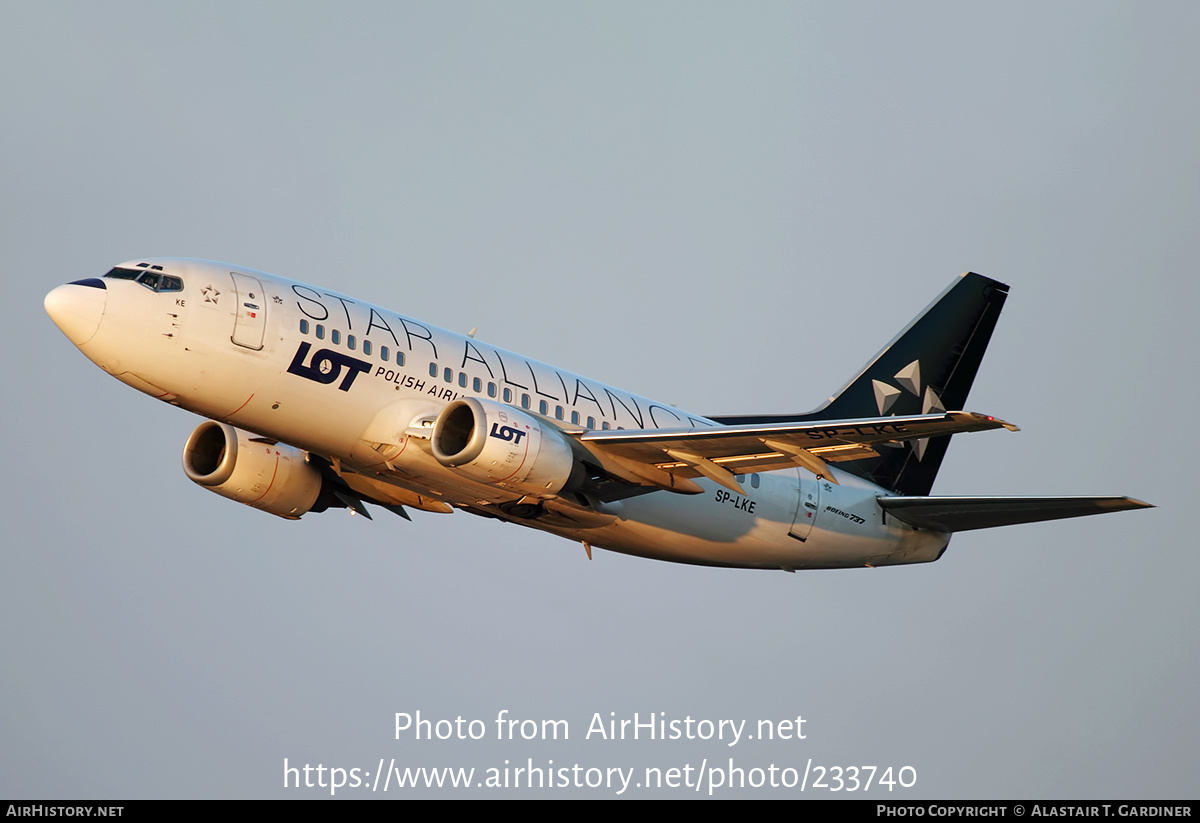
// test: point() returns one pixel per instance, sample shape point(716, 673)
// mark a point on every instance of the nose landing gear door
point(250, 321)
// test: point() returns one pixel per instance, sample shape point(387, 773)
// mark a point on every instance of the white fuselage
point(359, 386)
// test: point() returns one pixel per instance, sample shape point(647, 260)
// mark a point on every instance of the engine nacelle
point(274, 477)
point(503, 446)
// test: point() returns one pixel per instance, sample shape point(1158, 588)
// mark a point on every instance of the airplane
point(315, 400)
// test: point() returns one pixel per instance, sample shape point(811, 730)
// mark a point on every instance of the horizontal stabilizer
point(960, 514)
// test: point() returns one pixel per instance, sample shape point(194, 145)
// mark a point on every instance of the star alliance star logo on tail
point(909, 379)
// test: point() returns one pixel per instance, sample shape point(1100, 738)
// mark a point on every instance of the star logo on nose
point(210, 294)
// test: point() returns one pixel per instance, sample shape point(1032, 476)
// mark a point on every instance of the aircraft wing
point(960, 514)
point(669, 458)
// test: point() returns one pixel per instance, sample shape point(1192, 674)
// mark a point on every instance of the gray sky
point(726, 207)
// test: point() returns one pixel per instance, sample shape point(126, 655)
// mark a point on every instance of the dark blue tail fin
point(929, 367)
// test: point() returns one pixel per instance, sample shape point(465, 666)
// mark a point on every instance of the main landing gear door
point(808, 506)
point(250, 322)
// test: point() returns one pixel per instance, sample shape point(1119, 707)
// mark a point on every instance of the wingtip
point(989, 418)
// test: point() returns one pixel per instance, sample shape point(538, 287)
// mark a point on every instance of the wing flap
point(720, 452)
point(959, 514)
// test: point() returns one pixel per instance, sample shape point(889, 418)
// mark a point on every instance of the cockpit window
point(153, 280)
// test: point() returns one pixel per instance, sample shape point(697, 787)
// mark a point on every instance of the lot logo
point(326, 365)
point(507, 434)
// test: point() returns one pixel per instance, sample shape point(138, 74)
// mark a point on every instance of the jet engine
point(497, 444)
point(271, 476)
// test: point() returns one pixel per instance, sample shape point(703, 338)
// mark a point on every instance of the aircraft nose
point(76, 308)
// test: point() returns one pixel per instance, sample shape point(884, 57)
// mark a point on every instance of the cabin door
point(250, 321)
point(808, 506)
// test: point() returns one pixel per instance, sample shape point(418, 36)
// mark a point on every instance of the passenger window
point(477, 385)
point(366, 347)
point(383, 353)
point(524, 400)
point(320, 332)
point(304, 327)
point(350, 341)
point(507, 395)
point(433, 369)
point(448, 374)
point(491, 389)
point(604, 425)
point(462, 379)
point(591, 423)
point(542, 407)
point(575, 417)
point(399, 358)
point(335, 336)
point(558, 412)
